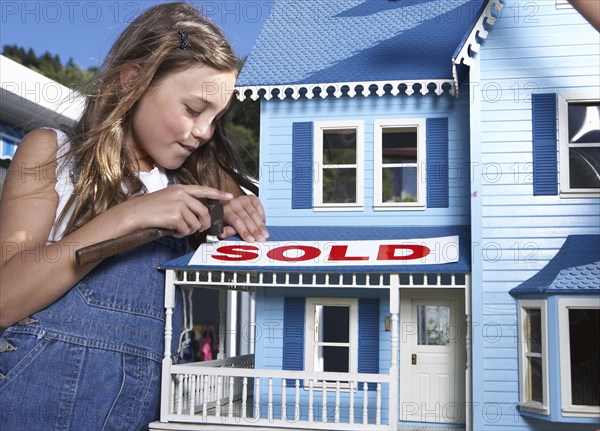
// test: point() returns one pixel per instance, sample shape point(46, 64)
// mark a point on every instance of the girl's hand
point(176, 207)
point(245, 216)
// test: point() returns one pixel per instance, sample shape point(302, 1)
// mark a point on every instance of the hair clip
point(185, 43)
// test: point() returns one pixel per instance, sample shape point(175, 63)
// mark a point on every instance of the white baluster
point(218, 396)
point(257, 398)
point(192, 395)
point(270, 400)
point(324, 401)
point(244, 397)
point(205, 397)
point(230, 411)
point(179, 400)
point(283, 400)
point(172, 392)
point(337, 402)
point(365, 403)
point(378, 412)
point(297, 401)
point(311, 408)
point(351, 418)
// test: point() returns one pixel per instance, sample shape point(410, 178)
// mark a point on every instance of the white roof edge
point(411, 86)
point(28, 85)
point(471, 44)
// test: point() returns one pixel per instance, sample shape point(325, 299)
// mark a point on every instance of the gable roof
point(360, 43)
point(574, 269)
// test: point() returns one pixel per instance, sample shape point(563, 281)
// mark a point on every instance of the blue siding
point(277, 176)
point(532, 49)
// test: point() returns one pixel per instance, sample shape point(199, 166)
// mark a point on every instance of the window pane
point(584, 336)
point(399, 145)
point(334, 324)
point(584, 168)
point(432, 325)
point(399, 184)
point(535, 389)
point(584, 122)
point(339, 185)
point(339, 147)
point(334, 359)
point(533, 330)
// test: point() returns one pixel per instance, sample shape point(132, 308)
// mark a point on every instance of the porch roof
point(350, 233)
point(574, 270)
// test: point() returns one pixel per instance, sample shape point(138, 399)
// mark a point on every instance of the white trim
point(378, 126)
point(563, 101)
point(533, 406)
point(471, 45)
point(399, 87)
point(319, 127)
point(564, 305)
point(563, 4)
point(312, 327)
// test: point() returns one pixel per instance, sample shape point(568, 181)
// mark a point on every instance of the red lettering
point(278, 253)
point(388, 252)
point(338, 252)
point(236, 253)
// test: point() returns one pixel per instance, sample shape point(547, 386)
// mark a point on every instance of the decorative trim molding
point(472, 45)
point(350, 89)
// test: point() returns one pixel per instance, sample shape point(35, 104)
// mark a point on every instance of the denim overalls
point(92, 360)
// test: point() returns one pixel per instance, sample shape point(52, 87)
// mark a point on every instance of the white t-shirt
point(154, 180)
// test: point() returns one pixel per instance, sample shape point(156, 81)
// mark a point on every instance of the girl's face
point(178, 115)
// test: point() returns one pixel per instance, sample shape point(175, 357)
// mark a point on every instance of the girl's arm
point(33, 273)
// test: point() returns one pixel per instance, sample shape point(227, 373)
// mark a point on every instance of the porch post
point(222, 322)
point(469, 365)
point(394, 341)
point(166, 362)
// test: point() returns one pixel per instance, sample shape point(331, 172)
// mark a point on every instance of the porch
point(231, 392)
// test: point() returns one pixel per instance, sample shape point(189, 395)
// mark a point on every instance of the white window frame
point(564, 305)
point(311, 338)
point(319, 128)
point(524, 404)
point(563, 144)
point(378, 127)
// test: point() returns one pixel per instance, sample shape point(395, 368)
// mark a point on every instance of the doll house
point(430, 172)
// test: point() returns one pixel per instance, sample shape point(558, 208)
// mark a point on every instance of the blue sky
point(85, 30)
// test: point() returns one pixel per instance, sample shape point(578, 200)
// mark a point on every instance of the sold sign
point(426, 251)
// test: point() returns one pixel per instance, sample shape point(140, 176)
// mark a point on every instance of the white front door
point(432, 355)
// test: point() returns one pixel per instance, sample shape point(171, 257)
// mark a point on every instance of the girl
point(85, 345)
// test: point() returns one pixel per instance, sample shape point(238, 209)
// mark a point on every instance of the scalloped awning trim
point(350, 89)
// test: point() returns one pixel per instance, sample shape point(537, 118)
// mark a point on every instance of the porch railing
point(231, 392)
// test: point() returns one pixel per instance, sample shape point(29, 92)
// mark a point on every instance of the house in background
point(29, 100)
point(431, 176)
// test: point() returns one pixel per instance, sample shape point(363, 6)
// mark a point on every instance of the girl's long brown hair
point(151, 43)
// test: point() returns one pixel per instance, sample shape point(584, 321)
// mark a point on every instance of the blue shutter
point(437, 162)
point(545, 163)
point(302, 165)
point(293, 335)
point(368, 337)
